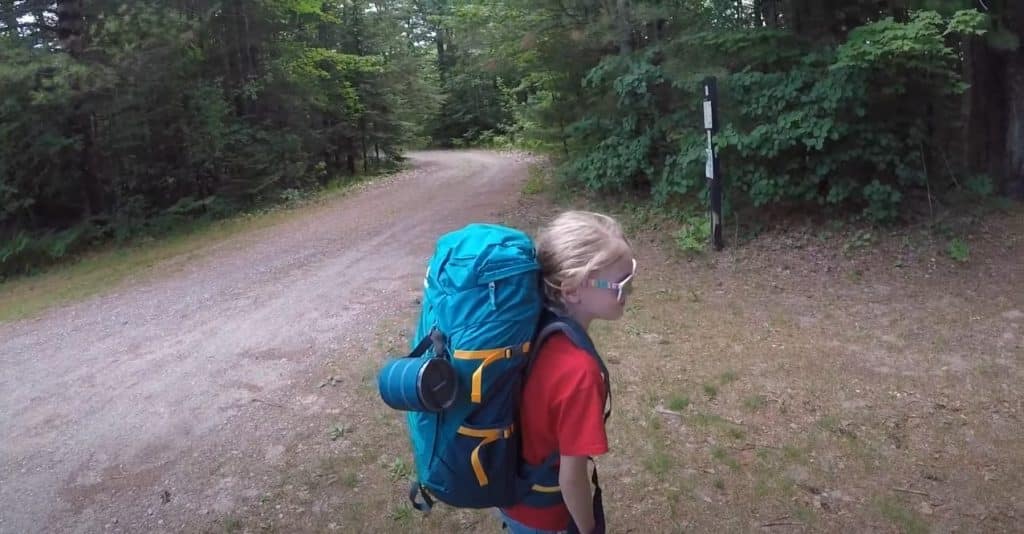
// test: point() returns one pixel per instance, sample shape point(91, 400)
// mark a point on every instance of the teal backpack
point(481, 314)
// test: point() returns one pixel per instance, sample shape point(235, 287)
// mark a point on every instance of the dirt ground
point(174, 400)
point(810, 380)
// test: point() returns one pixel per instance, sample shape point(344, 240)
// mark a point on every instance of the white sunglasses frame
point(617, 286)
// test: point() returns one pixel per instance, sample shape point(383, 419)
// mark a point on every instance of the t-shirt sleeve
point(579, 413)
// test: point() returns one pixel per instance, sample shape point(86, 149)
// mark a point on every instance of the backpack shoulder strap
point(552, 323)
point(546, 473)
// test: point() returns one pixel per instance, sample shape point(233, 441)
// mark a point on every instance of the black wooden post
point(712, 170)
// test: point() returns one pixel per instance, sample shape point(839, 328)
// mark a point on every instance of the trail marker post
point(712, 170)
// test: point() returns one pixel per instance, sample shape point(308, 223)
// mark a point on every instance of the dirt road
point(160, 402)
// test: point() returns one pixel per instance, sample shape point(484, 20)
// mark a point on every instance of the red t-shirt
point(562, 410)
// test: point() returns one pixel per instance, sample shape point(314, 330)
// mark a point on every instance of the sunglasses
point(622, 287)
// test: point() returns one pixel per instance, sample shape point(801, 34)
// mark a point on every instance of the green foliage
point(536, 183)
point(859, 240)
point(883, 201)
point(836, 120)
point(958, 250)
point(173, 112)
point(694, 234)
point(842, 128)
point(24, 252)
point(911, 49)
point(1003, 39)
point(968, 22)
point(980, 185)
point(169, 115)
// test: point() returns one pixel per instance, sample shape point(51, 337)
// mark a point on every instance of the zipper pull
point(494, 305)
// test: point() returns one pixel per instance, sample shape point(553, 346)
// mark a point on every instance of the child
point(587, 265)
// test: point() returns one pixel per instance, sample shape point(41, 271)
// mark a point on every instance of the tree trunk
point(43, 38)
point(442, 67)
point(248, 42)
point(995, 118)
point(791, 15)
point(9, 19)
point(809, 18)
point(366, 155)
point(235, 23)
point(1014, 179)
point(771, 13)
point(564, 135)
point(71, 33)
point(624, 27)
point(898, 10)
point(71, 27)
point(986, 117)
point(350, 155)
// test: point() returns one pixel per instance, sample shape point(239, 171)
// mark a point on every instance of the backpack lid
point(480, 254)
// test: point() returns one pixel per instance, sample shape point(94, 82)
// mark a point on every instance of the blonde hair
point(574, 245)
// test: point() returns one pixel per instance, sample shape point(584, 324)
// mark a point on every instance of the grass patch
point(337, 432)
point(958, 250)
point(774, 485)
point(711, 391)
point(715, 422)
point(537, 181)
point(735, 432)
point(102, 268)
point(678, 403)
point(400, 470)
point(754, 403)
point(230, 525)
point(706, 420)
point(832, 425)
point(828, 423)
point(727, 377)
point(722, 456)
point(658, 462)
point(803, 513)
point(897, 514)
point(654, 423)
point(402, 514)
point(693, 235)
point(368, 376)
point(858, 241)
point(796, 454)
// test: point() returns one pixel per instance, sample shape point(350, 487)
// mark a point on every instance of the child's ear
point(570, 293)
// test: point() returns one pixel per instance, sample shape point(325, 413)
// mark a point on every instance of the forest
point(121, 119)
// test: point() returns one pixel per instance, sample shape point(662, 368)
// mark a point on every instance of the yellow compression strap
point(487, 436)
point(546, 489)
point(488, 356)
